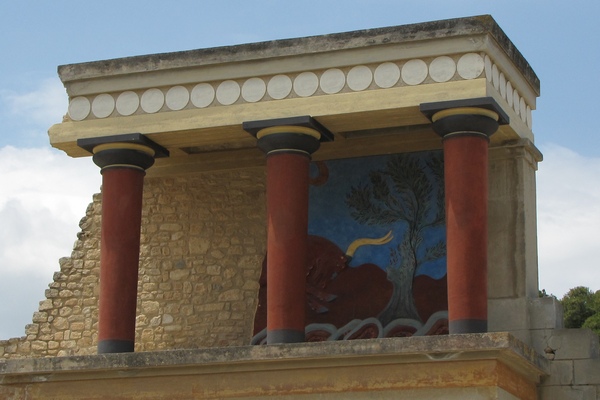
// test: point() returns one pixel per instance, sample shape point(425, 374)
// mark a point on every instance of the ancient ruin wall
point(202, 244)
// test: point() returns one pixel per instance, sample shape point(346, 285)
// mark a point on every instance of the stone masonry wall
point(202, 244)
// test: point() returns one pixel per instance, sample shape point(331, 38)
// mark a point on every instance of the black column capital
point(301, 134)
point(132, 150)
point(470, 117)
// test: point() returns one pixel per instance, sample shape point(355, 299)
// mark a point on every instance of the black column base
point(115, 346)
point(468, 326)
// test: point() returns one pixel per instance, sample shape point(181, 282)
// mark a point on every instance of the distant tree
point(582, 308)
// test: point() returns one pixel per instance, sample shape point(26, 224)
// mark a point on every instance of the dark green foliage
point(582, 308)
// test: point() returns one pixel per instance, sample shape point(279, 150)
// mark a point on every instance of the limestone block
point(509, 314)
point(545, 313)
point(567, 393)
point(587, 372)
point(573, 344)
point(560, 372)
point(179, 274)
point(150, 307)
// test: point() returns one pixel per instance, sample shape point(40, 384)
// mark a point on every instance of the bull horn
point(364, 241)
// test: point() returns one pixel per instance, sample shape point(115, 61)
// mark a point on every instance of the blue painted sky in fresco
point(330, 217)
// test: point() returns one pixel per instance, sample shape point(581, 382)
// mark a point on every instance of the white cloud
point(44, 195)
point(568, 220)
point(44, 106)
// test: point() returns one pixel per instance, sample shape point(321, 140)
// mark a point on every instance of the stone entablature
point(355, 78)
point(358, 84)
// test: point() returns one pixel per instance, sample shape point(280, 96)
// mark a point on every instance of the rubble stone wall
point(202, 244)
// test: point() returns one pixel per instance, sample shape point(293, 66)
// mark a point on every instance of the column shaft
point(287, 209)
point(119, 258)
point(466, 187)
point(288, 144)
point(466, 126)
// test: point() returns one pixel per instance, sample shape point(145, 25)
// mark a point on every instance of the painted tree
point(409, 191)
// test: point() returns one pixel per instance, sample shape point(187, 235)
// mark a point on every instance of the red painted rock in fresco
point(336, 293)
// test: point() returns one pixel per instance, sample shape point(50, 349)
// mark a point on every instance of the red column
point(287, 246)
point(123, 160)
point(288, 144)
point(466, 186)
point(465, 127)
point(119, 258)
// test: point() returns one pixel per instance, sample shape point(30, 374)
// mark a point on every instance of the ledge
point(474, 360)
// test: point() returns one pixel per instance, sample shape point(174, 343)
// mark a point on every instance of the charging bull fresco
point(377, 250)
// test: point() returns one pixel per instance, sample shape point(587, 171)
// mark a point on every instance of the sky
point(44, 193)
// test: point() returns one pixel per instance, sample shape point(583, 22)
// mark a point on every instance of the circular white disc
point(79, 108)
point(332, 81)
point(516, 100)
point(471, 65)
point(442, 69)
point(414, 72)
point(253, 90)
point(306, 84)
point(228, 92)
point(502, 85)
point(177, 98)
point(509, 94)
point(488, 68)
point(103, 105)
point(152, 100)
point(523, 109)
point(128, 103)
point(359, 78)
point(203, 95)
point(495, 77)
point(387, 75)
point(279, 87)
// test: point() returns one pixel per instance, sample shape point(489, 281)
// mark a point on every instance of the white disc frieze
point(414, 72)
point(359, 78)
point(79, 108)
point(442, 69)
point(228, 92)
point(177, 98)
point(103, 105)
point(306, 84)
point(279, 87)
point(127, 103)
point(471, 65)
point(152, 100)
point(332, 81)
point(253, 90)
point(387, 75)
point(202, 95)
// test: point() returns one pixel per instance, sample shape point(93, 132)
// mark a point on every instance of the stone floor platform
point(473, 366)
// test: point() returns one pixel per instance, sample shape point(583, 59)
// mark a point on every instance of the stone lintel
point(135, 138)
